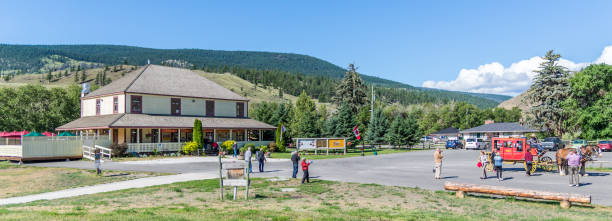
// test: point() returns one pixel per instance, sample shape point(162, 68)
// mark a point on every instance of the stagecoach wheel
point(534, 167)
point(547, 164)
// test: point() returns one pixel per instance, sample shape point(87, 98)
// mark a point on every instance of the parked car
point(578, 143)
point(473, 143)
point(552, 143)
point(605, 145)
point(454, 144)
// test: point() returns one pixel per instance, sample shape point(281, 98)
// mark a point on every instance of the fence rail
point(154, 147)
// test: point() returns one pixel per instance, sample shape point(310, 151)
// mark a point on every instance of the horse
point(587, 153)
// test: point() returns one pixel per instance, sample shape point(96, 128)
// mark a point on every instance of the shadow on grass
point(525, 200)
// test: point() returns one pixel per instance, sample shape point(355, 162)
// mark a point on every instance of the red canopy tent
point(17, 133)
point(49, 134)
point(3, 133)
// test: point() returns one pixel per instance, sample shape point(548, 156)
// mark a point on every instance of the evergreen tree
point(351, 90)
point(304, 117)
point(76, 77)
point(104, 79)
point(345, 122)
point(549, 89)
point(83, 76)
point(280, 92)
point(377, 128)
point(49, 76)
point(197, 133)
point(403, 131)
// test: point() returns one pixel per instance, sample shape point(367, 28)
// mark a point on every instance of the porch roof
point(162, 121)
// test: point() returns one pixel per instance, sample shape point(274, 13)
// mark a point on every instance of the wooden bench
point(565, 198)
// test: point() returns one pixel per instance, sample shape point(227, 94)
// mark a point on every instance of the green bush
point(190, 147)
point(118, 150)
point(228, 146)
point(263, 148)
point(246, 147)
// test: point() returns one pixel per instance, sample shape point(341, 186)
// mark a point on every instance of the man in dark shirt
point(261, 158)
point(295, 159)
point(528, 161)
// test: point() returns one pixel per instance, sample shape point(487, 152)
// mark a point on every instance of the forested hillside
point(291, 73)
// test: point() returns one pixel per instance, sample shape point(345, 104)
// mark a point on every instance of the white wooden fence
point(154, 147)
point(89, 152)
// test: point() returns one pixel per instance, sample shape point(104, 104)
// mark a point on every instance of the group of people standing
point(295, 160)
point(260, 157)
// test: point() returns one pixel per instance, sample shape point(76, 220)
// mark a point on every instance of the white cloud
point(494, 78)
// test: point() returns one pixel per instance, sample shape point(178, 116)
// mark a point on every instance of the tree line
point(36, 108)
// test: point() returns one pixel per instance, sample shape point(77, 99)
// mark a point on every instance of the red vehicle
point(512, 150)
point(605, 145)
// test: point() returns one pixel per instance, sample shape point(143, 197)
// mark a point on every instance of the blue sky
point(422, 43)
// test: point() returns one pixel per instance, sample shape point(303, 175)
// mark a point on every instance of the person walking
point(305, 165)
point(261, 158)
point(247, 159)
point(497, 163)
point(484, 161)
point(528, 161)
point(573, 162)
point(235, 148)
point(295, 159)
point(438, 163)
point(97, 161)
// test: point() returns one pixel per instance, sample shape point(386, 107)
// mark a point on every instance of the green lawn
point(319, 200)
point(597, 169)
point(25, 180)
point(340, 154)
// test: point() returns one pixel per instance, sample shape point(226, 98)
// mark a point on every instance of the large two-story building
point(154, 107)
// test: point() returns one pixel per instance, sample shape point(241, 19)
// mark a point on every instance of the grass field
point(25, 180)
point(320, 200)
point(597, 169)
point(339, 153)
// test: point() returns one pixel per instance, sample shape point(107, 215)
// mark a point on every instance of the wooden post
point(220, 178)
point(235, 192)
point(248, 183)
point(564, 198)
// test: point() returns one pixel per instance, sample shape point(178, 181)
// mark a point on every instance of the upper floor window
point(239, 109)
point(175, 106)
point(115, 105)
point(136, 104)
point(98, 106)
point(210, 108)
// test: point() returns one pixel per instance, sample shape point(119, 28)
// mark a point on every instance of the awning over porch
point(161, 121)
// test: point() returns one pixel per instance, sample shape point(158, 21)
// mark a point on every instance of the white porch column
point(214, 135)
point(260, 135)
point(159, 135)
point(137, 135)
point(110, 135)
point(179, 135)
point(246, 135)
point(231, 138)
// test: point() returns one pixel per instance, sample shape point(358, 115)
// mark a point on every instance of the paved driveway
point(412, 169)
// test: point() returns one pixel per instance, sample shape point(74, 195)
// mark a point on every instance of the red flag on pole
point(356, 132)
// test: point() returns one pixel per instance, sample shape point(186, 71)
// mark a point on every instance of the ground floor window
point(253, 135)
point(134, 136)
point(186, 135)
point(238, 135)
point(267, 135)
point(169, 135)
point(223, 135)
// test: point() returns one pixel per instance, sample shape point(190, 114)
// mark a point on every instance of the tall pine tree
point(351, 90)
point(549, 89)
point(344, 123)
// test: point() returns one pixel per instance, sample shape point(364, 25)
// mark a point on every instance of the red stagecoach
point(512, 150)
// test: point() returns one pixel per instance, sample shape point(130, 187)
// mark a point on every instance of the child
point(305, 164)
point(97, 158)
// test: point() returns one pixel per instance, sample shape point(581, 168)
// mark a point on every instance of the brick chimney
point(489, 121)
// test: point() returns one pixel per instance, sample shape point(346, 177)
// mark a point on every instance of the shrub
point(228, 146)
point(246, 147)
point(118, 150)
point(263, 148)
point(272, 146)
point(190, 147)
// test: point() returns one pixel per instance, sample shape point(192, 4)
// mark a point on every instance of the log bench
point(565, 198)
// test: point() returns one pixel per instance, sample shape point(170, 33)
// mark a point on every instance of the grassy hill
point(22, 59)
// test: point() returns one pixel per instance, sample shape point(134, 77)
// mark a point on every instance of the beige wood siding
point(225, 108)
point(193, 107)
point(152, 104)
point(89, 105)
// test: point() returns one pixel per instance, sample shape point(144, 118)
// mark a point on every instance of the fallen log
point(462, 188)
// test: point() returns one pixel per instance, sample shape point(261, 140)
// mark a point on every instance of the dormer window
point(136, 104)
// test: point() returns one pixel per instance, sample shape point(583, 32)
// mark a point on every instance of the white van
point(473, 143)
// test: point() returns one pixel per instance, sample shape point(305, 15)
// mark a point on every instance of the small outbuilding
point(450, 133)
point(504, 130)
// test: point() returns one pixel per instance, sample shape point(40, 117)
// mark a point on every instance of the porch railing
point(154, 147)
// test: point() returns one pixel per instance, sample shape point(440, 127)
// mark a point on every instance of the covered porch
point(152, 133)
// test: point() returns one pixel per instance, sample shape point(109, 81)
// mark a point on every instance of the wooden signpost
point(235, 177)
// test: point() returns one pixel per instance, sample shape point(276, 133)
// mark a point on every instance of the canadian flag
point(356, 132)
